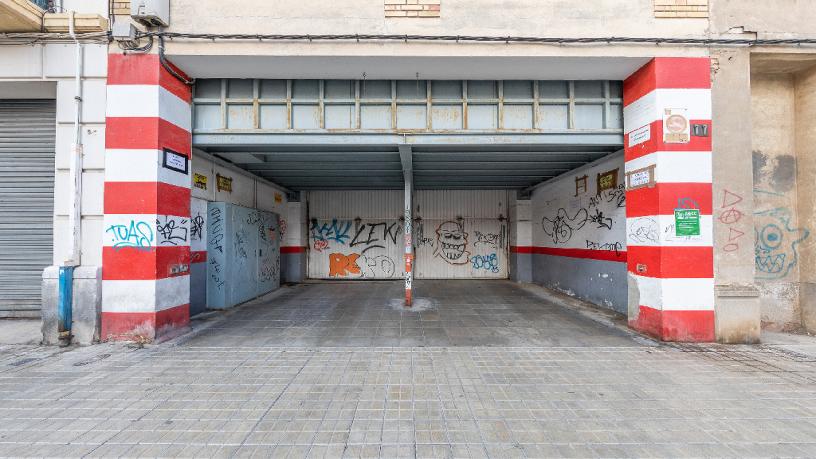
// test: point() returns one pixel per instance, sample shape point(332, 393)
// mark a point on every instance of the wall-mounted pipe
point(66, 272)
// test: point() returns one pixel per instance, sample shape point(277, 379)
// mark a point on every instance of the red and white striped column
point(146, 250)
point(667, 120)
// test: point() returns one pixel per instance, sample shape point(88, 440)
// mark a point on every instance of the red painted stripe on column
point(152, 325)
point(663, 198)
point(587, 254)
point(671, 262)
point(293, 249)
point(149, 133)
point(681, 326)
point(521, 249)
point(130, 263)
point(146, 198)
point(145, 69)
point(668, 72)
point(198, 256)
point(655, 143)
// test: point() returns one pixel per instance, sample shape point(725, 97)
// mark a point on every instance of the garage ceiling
point(434, 167)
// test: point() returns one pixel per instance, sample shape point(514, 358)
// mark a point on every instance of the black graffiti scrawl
point(561, 227)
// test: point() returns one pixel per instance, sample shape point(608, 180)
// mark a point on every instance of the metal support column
point(408, 173)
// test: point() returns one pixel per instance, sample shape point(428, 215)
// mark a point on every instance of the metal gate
point(355, 234)
point(359, 234)
point(461, 234)
point(27, 131)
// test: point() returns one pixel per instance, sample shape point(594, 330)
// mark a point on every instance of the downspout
point(66, 271)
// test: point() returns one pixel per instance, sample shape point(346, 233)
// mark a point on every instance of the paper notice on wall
point(676, 126)
point(639, 136)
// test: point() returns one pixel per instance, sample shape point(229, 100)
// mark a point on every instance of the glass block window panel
point(446, 117)
point(553, 90)
point(339, 116)
point(375, 89)
point(589, 117)
point(589, 89)
point(616, 89)
point(483, 116)
point(207, 116)
point(208, 89)
point(306, 116)
point(274, 117)
point(412, 90)
point(338, 89)
point(239, 116)
point(446, 89)
point(239, 89)
point(615, 120)
point(412, 117)
point(375, 117)
point(553, 117)
point(518, 116)
point(305, 89)
point(479, 89)
point(518, 90)
point(273, 89)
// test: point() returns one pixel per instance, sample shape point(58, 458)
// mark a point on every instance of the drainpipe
point(66, 272)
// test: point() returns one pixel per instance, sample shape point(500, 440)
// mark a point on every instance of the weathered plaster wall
point(805, 114)
point(779, 235)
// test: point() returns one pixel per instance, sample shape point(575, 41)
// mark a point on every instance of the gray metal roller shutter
point(27, 131)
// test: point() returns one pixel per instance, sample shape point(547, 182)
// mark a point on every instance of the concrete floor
point(446, 313)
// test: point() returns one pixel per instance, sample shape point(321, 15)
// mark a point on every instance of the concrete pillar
point(521, 240)
point(805, 84)
point(667, 120)
point(737, 302)
point(146, 249)
point(295, 242)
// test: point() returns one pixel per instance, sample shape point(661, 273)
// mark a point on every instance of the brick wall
point(121, 8)
point(681, 8)
point(412, 8)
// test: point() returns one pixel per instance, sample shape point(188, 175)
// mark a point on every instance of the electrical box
point(151, 12)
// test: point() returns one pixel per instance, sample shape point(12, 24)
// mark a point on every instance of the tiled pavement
point(585, 391)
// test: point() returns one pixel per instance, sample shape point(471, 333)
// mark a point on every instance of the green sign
point(687, 222)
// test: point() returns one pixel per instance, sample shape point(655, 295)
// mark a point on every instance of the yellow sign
point(200, 181)
point(224, 183)
point(278, 198)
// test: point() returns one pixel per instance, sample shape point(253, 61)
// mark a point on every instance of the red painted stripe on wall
point(587, 254)
point(664, 198)
point(668, 72)
point(146, 198)
point(130, 263)
point(671, 262)
point(128, 325)
point(293, 249)
point(521, 249)
point(145, 69)
point(681, 326)
point(149, 133)
point(655, 143)
point(198, 256)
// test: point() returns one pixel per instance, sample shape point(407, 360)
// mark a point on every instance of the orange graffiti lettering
point(342, 265)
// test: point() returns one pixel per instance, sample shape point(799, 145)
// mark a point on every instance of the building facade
point(663, 173)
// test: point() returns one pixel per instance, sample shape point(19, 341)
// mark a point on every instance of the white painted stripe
point(141, 166)
point(675, 294)
point(145, 231)
point(145, 295)
point(658, 230)
point(145, 101)
point(650, 107)
point(676, 166)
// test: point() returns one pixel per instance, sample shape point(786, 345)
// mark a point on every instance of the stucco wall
point(579, 236)
point(805, 113)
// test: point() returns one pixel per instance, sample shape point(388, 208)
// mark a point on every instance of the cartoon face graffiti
point(451, 243)
point(776, 243)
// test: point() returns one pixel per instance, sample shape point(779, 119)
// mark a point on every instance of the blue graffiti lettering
point(136, 234)
point(486, 262)
point(334, 231)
